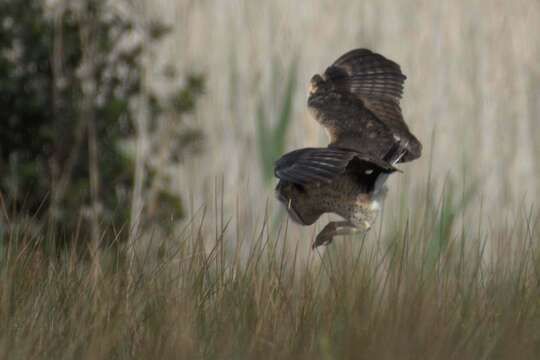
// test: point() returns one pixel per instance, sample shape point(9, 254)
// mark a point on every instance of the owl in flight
point(356, 100)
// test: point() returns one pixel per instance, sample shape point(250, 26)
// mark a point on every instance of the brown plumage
point(357, 101)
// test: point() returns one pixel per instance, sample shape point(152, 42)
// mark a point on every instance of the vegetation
point(70, 103)
point(271, 139)
point(100, 114)
point(204, 298)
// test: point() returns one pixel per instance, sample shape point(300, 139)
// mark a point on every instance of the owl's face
point(287, 195)
point(302, 207)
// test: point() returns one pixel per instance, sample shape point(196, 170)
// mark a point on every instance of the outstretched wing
point(357, 100)
point(321, 165)
point(374, 79)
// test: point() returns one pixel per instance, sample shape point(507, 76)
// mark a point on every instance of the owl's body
point(346, 196)
point(356, 100)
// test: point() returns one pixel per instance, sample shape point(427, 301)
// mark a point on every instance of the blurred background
point(125, 114)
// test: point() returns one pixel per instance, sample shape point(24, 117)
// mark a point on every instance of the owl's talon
point(326, 235)
point(322, 240)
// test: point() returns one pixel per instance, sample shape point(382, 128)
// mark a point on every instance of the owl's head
point(293, 198)
point(286, 193)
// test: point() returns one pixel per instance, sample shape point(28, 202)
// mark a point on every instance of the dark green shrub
point(69, 79)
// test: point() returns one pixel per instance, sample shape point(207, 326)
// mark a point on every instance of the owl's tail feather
point(393, 156)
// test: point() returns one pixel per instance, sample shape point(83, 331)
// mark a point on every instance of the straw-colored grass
point(417, 293)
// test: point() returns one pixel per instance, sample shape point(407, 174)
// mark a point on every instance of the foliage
point(70, 76)
point(271, 139)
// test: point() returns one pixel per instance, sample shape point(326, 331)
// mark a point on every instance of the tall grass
point(194, 297)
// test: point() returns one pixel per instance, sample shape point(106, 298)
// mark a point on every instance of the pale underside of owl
point(356, 100)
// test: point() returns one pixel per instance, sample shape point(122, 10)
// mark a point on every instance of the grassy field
point(417, 293)
point(451, 270)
